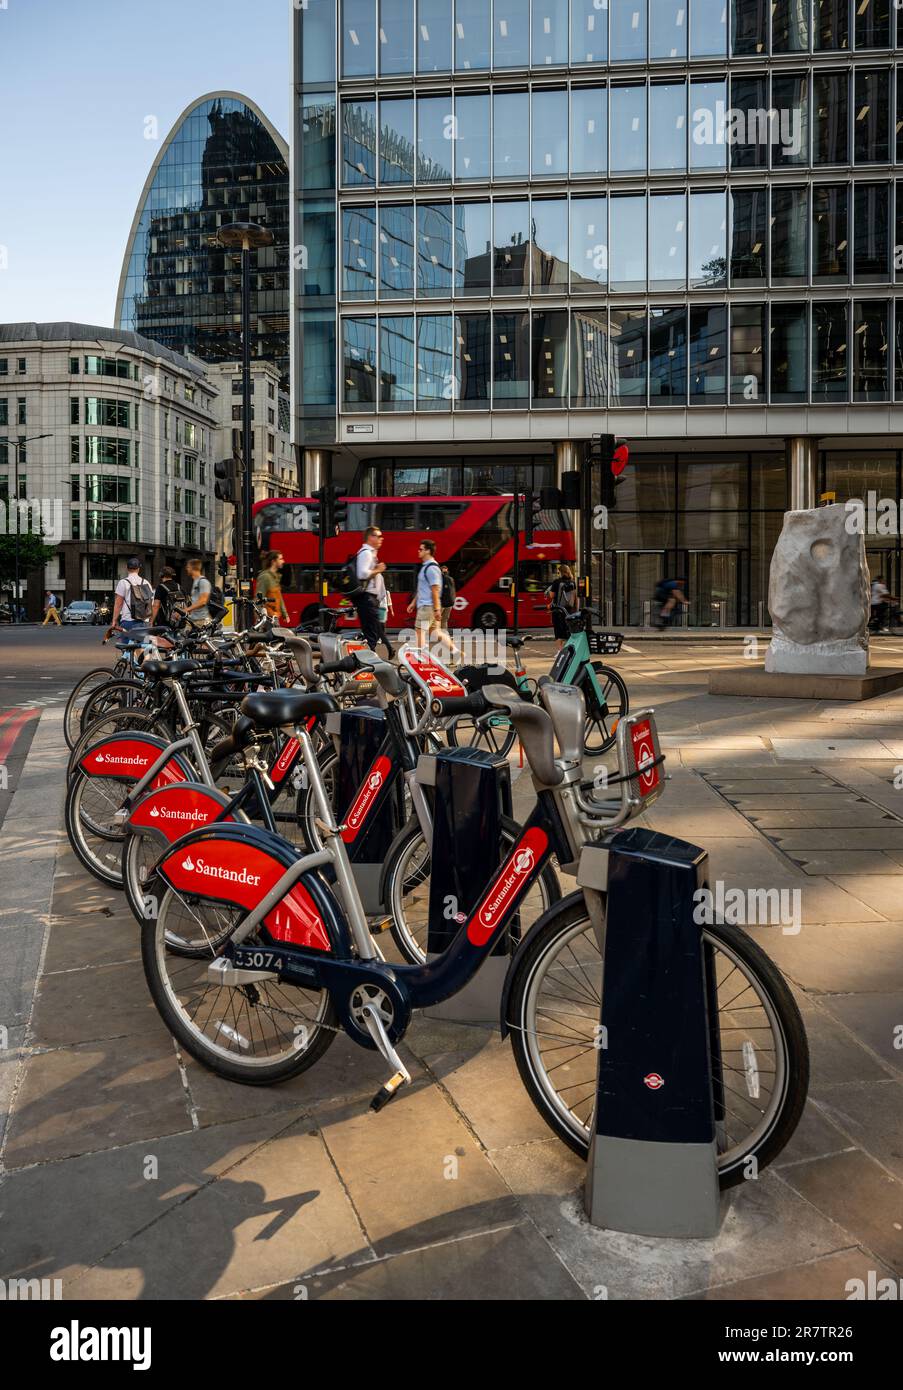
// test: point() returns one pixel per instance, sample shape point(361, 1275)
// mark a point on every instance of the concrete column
point(316, 469)
point(802, 463)
point(569, 459)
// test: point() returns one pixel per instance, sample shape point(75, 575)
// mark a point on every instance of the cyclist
point(668, 594)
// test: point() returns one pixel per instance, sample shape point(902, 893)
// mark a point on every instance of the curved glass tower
point(222, 162)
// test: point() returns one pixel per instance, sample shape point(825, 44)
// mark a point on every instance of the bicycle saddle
point(515, 643)
point(160, 670)
point(271, 709)
point(241, 736)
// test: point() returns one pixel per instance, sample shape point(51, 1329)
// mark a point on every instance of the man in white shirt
point(372, 594)
point(125, 604)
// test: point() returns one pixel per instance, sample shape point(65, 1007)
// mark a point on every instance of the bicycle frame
point(573, 666)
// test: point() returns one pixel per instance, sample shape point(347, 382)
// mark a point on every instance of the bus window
point(436, 516)
point(360, 516)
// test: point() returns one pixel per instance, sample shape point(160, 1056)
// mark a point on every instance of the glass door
point(637, 572)
point(713, 577)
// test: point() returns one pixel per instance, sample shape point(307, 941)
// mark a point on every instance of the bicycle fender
point(238, 865)
point(561, 906)
point(172, 811)
point(128, 756)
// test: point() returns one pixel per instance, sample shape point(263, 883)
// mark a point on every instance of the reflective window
point(708, 28)
point(870, 351)
point(788, 353)
point(590, 358)
point(898, 350)
point(511, 34)
point(628, 356)
point(318, 42)
point(790, 133)
point(749, 236)
point(628, 129)
point(318, 146)
point(789, 235)
point(396, 251)
point(358, 38)
point(708, 354)
point(511, 135)
point(359, 252)
point(898, 234)
point(628, 31)
point(437, 383)
point(589, 31)
point(511, 246)
point(473, 248)
point(434, 249)
point(871, 127)
point(830, 129)
point(317, 228)
point(435, 146)
point(510, 361)
point(434, 35)
point(550, 358)
point(550, 131)
point(550, 33)
point(899, 122)
point(317, 329)
point(589, 245)
point(708, 240)
point(667, 126)
point(472, 34)
point(474, 354)
point(549, 237)
point(396, 140)
point(708, 107)
point(668, 38)
point(749, 132)
point(789, 26)
point(589, 130)
point(628, 242)
point(396, 36)
point(871, 230)
point(472, 136)
point(359, 143)
point(748, 341)
point(667, 241)
point(872, 26)
point(667, 356)
point(830, 233)
point(831, 24)
point(830, 359)
point(359, 364)
point(749, 26)
point(396, 362)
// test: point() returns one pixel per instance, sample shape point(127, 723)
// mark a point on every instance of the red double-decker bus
point(473, 538)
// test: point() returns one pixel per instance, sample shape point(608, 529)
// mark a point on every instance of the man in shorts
point(426, 603)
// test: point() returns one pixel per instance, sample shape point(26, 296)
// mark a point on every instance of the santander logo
point(165, 813)
point(365, 799)
point(499, 899)
point(200, 866)
point(121, 760)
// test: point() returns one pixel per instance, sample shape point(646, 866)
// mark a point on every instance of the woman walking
point(562, 596)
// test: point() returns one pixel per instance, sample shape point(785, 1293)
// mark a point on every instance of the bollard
point(471, 794)
point(652, 1167)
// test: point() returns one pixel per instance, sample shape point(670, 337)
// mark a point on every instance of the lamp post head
point(244, 236)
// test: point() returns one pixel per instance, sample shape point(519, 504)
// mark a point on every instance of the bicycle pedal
point(376, 925)
point(390, 1089)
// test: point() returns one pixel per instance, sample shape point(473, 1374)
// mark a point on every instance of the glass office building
point(222, 162)
point(526, 222)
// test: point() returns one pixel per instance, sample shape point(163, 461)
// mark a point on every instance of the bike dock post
point(472, 791)
point(360, 732)
point(652, 1167)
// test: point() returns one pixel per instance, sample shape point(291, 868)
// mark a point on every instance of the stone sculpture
point(818, 596)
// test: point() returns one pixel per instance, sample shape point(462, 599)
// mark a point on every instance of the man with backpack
point(134, 599)
point(427, 600)
point(370, 595)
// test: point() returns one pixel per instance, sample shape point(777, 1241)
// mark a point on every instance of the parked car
point(81, 611)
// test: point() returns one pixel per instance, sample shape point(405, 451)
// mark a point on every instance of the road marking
point(12, 730)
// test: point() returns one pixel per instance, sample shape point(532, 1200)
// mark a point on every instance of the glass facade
point(221, 164)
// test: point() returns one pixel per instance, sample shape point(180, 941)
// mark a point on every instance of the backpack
point(448, 592)
point(216, 605)
point(346, 581)
point(141, 601)
point(568, 596)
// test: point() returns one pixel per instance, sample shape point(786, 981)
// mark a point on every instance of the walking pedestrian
point(50, 611)
point(134, 600)
point(562, 596)
point(268, 588)
point(427, 601)
point(369, 570)
point(879, 603)
point(197, 610)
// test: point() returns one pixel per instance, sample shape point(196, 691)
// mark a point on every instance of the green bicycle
point(603, 689)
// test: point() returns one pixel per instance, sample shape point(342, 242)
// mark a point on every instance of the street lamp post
point(245, 236)
point(17, 445)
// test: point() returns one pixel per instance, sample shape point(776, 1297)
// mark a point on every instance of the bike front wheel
point(601, 726)
point(554, 1012)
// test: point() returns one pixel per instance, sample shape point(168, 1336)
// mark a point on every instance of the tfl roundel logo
point(654, 1081)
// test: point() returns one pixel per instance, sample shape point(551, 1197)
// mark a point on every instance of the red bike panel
point(128, 757)
point(366, 798)
point(175, 810)
point(238, 873)
point(643, 745)
point(506, 885)
point(432, 673)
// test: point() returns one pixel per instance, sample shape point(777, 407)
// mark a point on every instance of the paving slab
point(814, 1137)
point(882, 892)
point(487, 1090)
point(848, 862)
point(824, 750)
point(854, 1191)
point(848, 957)
point(835, 1056)
point(871, 1112)
point(874, 837)
point(828, 1278)
point(876, 1019)
point(87, 1005)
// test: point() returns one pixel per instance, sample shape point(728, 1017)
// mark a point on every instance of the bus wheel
point(489, 618)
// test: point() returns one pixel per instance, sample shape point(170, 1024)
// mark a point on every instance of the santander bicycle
point(290, 961)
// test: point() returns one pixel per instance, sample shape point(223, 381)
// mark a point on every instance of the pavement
point(129, 1172)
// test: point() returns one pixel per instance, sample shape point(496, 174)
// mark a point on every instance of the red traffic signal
point(620, 459)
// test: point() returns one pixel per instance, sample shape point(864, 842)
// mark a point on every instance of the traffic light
point(532, 514)
point(333, 509)
point(340, 509)
point(222, 566)
point(227, 473)
point(612, 455)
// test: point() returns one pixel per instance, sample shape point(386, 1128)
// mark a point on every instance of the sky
point(78, 81)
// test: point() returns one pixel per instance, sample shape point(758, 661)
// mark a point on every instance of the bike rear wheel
point(554, 1010)
point(259, 1033)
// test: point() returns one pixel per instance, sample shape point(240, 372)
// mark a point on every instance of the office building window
point(749, 340)
point(871, 129)
point(396, 251)
point(870, 350)
point(474, 356)
point(434, 35)
point(708, 354)
point(789, 235)
point(434, 249)
point(590, 360)
point(667, 357)
point(589, 32)
point(628, 356)
point(830, 233)
point(396, 37)
point(511, 361)
point(396, 140)
point(550, 359)
point(511, 135)
point(589, 130)
point(830, 355)
point(788, 352)
point(871, 230)
point(830, 128)
point(667, 241)
point(589, 245)
point(749, 236)
point(396, 362)
point(549, 245)
point(437, 383)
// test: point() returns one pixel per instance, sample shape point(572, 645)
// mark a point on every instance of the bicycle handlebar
point(348, 663)
point(444, 706)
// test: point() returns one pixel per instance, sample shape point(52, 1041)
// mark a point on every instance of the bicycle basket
point(605, 643)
